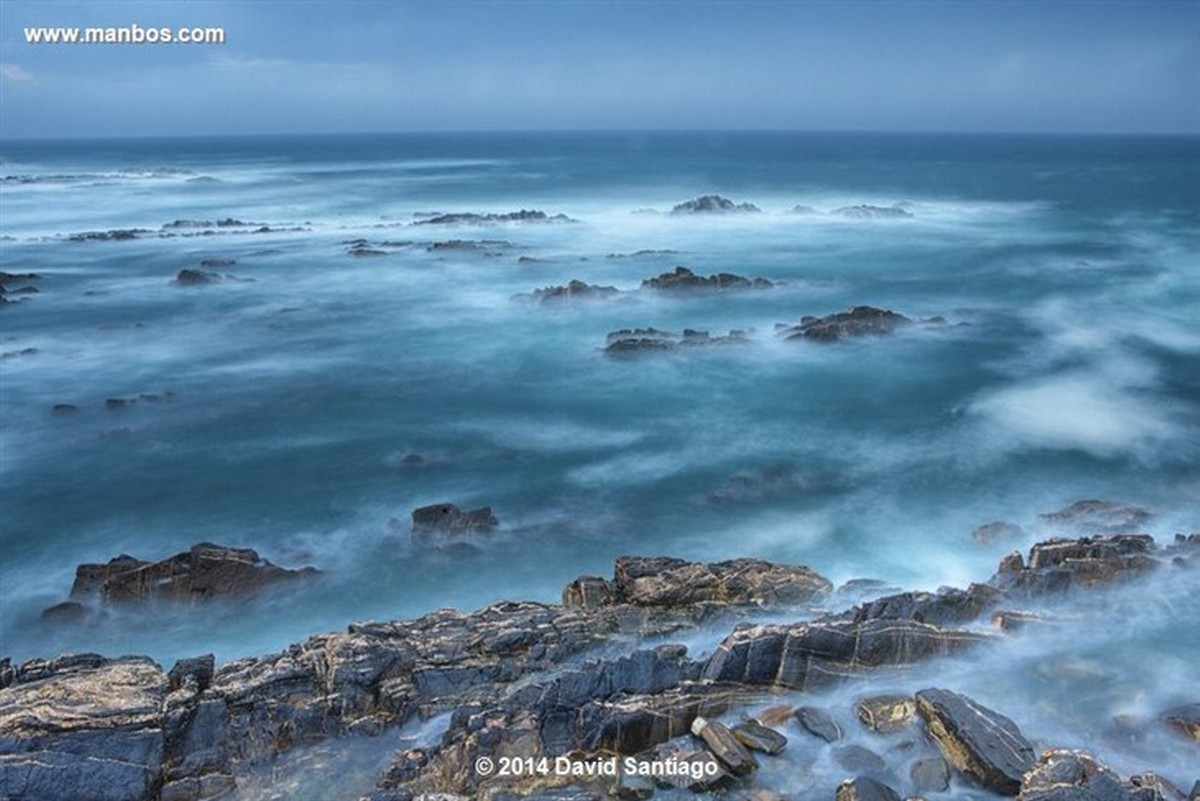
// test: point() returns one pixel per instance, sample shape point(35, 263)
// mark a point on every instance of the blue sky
point(291, 67)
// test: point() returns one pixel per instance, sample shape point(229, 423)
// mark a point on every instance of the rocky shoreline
point(571, 685)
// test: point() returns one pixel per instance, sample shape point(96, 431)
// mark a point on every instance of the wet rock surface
point(524, 680)
point(1096, 517)
point(640, 341)
point(444, 524)
point(574, 290)
point(491, 218)
point(978, 742)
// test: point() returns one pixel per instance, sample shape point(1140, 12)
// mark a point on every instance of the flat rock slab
point(978, 742)
point(818, 723)
point(758, 737)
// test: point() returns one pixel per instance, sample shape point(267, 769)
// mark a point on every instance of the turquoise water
point(1070, 263)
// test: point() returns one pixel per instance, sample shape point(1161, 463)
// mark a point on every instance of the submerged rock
point(859, 321)
point(1097, 517)
point(978, 742)
point(709, 204)
point(864, 788)
point(867, 212)
point(639, 341)
point(819, 723)
point(574, 290)
point(206, 571)
point(191, 277)
point(682, 278)
point(1184, 719)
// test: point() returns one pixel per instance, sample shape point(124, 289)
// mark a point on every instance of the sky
point(1053, 66)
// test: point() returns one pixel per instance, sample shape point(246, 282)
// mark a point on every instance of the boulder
point(859, 321)
point(727, 748)
point(858, 759)
point(666, 581)
point(819, 723)
point(978, 742)
point(683, 278)
point(886, 714)
point(758, 737)
point(930, 775)
point(712, 204)
point(864, 788)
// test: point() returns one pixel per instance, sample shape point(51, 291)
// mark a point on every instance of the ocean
point(304, 404)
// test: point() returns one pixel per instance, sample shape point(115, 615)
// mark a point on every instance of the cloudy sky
point(972, 65)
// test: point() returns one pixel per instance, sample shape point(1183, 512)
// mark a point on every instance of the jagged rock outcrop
point(713, 204)
point(978, 742)
point(859, 321)
point(192, 277)
point(683, 279)
point(664, 581)
point(1058, 565)
point(204, 572)
point(1096, 517)
point(1061, 775)
point(443, 524)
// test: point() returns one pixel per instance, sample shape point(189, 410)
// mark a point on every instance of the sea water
point(1067, 270)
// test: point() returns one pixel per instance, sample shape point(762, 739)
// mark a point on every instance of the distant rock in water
point(641, 254)
point(115, 235)
point(857, 322)
point(1097, 517)
point(444, 524)
point(206, 571)
point(574, 290)
point(196, 278)
point(637, 341)
point(471, 218)
point(708, 204)
point(999, 531)
point(865, 212)
point(683, 278)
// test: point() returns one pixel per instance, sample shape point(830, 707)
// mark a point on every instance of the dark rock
point(1015, 621)
point(1097, 517)
point(665, 581)
point(775, 716)
point(947, 605)
point(758, 737)
point(690, 769)
point(812, 655)
point(15, 278)
point(62, 409)
point(1184, 719)
point(724, 746)
point(864, 788)
point(588, 592)
point(712, 204)
point(206, 571)
point(819, 723)
point(858, 759)
point(442, 524)
point(775, 481)
point(931, 775)
point(197, 669)
point(66, 612)
point(857, 322)
point(119, 403)
point(574, 290)
point(365, 251)
point(998, 531)
point(640, 254)
point(684, 279)
point(886, 714)
point(865, 212)
point(639, 341)
point(632, 788)
point(978, 742)
point(115, 235)
point(217, 264)
point(196, 278)
point(1072, 776)
point(1059, 565)
point(469, 218)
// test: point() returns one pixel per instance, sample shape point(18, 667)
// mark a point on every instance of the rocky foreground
point(521, 693)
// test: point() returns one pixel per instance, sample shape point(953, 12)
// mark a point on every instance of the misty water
point(1068, 368)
